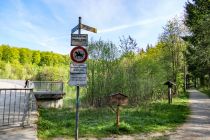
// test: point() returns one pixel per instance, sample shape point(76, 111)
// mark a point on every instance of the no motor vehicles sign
point(79, 54)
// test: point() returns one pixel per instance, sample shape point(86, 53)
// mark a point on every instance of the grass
point(158, 116)
point(205, 90)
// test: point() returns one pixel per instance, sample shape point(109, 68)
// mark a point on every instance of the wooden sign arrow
point(88, 28)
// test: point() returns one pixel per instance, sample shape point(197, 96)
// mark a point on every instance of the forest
point(181, 53)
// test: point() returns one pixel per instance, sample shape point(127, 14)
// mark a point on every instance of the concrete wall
point(50, 104)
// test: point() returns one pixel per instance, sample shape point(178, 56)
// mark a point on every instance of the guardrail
point(47, 90)
point(15, 106)
point(47, 86)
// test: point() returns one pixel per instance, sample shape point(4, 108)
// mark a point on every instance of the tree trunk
point(202, 83)
point(209, 80)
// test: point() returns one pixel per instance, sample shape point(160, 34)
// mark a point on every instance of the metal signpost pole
point(77, 115)
point(77, 100)
point(78, 70)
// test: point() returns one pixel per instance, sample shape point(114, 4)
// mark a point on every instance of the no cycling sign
point(79, 54)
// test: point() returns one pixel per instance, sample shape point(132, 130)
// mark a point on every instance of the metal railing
point(47, 86)
point(15, 106)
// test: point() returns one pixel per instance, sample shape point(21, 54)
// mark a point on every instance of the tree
point(174, 47)
point(52, 73)
point(36, 57)
point(128, 45)
point(25, 56)
point(46, 59)
point(6, 53)
point(1, 53)
point(15, 55)
point(101, 55)
point(197, 19)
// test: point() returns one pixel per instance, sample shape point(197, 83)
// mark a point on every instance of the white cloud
point(93, 12)
point(143, 22)
point(50, 29)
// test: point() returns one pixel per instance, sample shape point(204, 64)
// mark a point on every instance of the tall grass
point(157, 116)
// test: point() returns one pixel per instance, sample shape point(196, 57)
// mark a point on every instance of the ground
point(197, 125)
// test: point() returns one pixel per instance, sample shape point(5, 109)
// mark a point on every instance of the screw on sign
point(79, 54)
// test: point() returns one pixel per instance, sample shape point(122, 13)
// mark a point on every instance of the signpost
point(118, 99)
point(170, 85)
point(78, 75)
point(78, 79)
point(88, 28)
point(74, 29)
point(79, 54)
point(78, 70)
point(79, 40)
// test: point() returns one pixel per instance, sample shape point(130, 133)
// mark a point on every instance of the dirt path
point(198, 123)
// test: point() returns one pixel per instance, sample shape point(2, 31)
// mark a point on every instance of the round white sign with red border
point(79, 54)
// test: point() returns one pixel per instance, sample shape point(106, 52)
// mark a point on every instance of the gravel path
point(197, 126)
point(18, 134)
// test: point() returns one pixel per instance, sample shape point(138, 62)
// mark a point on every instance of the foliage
point(22, 63)
point(36, 57)
point(155, 117)
point(124, 128)
point(205, 90)
point(127, 45)
point(111, 69)
point(49, 73)
point(24, 55)
point(197, 18)
point(173, 48)
point(141, 75)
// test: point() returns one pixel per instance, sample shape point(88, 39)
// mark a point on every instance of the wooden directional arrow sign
point(74, 29)
point(88, 28)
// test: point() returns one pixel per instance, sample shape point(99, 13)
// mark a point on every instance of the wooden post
point(118, 116)
point(169, 95)
point(169, 84)
point(185, 78)
point(169, 100)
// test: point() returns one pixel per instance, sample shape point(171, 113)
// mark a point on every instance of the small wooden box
point(169, 84)
point(118, 99)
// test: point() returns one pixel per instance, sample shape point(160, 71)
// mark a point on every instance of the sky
point(46, 24)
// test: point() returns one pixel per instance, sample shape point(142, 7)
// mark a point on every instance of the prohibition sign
point(79, 54)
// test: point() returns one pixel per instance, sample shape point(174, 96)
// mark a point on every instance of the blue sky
point(46, 24)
